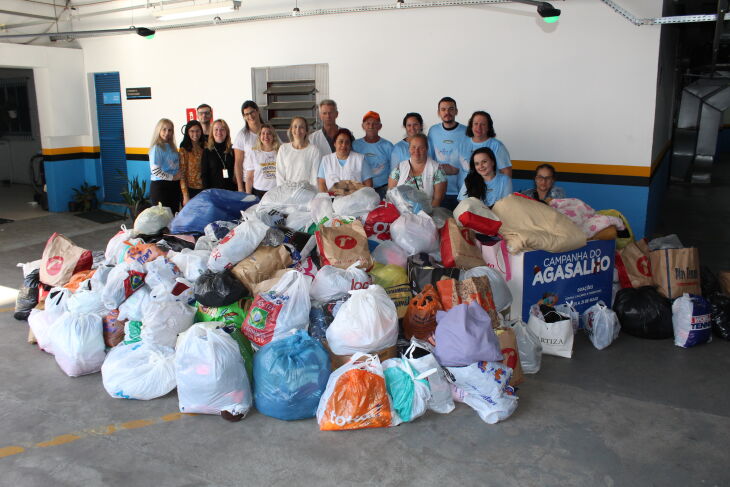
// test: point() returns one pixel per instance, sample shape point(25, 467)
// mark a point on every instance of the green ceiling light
point(145, 32)
point(548, 13)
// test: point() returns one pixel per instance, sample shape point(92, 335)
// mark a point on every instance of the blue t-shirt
point(400, 153)
point(377, 156)
point(367, 173)
point(164, 163)
point(497, 188)
point(444, 147)
point(468, 146)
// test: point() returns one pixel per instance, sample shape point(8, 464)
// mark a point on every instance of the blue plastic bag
point(209, 206)
point(290, 376)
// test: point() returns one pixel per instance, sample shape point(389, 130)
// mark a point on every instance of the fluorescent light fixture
point(200, 10)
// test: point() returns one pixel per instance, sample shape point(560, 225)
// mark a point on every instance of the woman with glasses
point(246, 138)
point(545, 188)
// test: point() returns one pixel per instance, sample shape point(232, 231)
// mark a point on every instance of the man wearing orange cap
point(376, 150)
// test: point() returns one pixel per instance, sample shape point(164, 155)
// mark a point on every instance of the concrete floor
point(640, 412)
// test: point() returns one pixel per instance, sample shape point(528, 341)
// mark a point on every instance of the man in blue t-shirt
point(444, 142)
point(376, 150)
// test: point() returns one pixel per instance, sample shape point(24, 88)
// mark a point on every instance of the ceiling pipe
point(676, 19)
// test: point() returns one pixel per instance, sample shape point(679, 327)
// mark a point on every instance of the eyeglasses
point(250, 114)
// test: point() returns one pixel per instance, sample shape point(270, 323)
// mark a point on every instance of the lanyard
point(415, 181)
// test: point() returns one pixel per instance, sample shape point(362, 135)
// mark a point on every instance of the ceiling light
point(200, 10)
point(548, 13)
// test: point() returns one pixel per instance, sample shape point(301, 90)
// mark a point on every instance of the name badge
point(225, 173)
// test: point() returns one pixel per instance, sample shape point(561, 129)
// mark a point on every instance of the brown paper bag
point(477, 289)
point(459, 247)
point(266, 285)
point(261, 265)
point(62, 259)
point(676, 271)
point(724, 278)
point(633, 265)
point(343, 246)
point(510, 354)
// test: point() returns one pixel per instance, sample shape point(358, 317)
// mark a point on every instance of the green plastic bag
point(408, 391)
point(246, 351)
point(132, 332)
point(232, 314)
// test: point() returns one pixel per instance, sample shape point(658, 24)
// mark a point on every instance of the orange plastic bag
point(143, 253)
point(356, 397)
point(420, 319)
point(78, 278)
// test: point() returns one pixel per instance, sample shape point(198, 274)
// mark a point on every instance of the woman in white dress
point(299, 159)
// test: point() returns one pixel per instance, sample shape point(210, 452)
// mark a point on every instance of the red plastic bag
point(377, 223)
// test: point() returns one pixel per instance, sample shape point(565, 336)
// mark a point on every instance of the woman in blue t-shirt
point(165, 167)
point(483, 180)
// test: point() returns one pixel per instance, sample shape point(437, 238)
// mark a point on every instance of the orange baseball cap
point(371, 114)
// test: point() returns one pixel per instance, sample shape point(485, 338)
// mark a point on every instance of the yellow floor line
point(9, 308)
point(109, 429)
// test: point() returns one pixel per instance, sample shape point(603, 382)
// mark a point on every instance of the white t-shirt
point(263, 165)
point(245, 139)
point(318, 139)
point(294, 165)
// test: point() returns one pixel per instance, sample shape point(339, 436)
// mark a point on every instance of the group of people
point(450, 163)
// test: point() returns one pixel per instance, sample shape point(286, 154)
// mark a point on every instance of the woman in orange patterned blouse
point(191, 152)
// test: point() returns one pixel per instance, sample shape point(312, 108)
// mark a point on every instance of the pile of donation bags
point(361, 320)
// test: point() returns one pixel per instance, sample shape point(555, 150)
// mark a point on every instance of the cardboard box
point(583, 276)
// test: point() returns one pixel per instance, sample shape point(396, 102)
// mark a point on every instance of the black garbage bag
point(708, 282)
point(720, 313)
point(644, 313)
point(216, 289)
point(27, 298)
point(170, 242)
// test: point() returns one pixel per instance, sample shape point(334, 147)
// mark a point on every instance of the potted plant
point(84, 198)
point(134, 197)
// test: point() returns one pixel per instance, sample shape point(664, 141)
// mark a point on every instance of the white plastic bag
point(83, 301)
point(440, 400)
point(164, 320)
point(486, 389)
point(131, 308)
point(289, 197)
point(556, 338)
point(500, 292)
point(415, 233)
point(332, 283)
point(409, 199)
point(601, 325)
point(77, 342)
point(528, 345)
point(299, 220)
point(388, 252)
point(206, 244)
point(295, 313)
point(237, 245)
point(691, 321)
point(404, 383)
point(161, 276)
point(140, 371)
point(124, 279)
point(116, 247)
point(209, 372)
point(152, 220)
point(321, 210)
point(367, 322)
point(192, 263)
point(40, 323)
point(356, 204)
point(569, 310)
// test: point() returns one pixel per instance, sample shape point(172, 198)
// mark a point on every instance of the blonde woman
point(260, 162)
point(216, 167)
point(299, 159)
point(164, 166)
point(191, 153)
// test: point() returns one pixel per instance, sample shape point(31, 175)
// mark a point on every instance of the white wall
point(60, 81)
point(582, 90)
